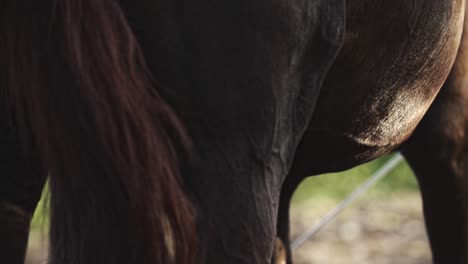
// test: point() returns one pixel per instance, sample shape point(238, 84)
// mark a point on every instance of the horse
point(174, 131)
point(435, 150)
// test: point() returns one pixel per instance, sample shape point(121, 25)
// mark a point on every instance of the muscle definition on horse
point(176, 131)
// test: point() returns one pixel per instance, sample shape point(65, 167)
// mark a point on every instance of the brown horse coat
point(243, 77)
point(395, 58)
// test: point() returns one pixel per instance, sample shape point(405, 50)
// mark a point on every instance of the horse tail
point(75, 78)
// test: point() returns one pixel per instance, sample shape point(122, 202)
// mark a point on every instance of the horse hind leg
point(283, 252)
point(21, 184)
point(443, 204)
point(438, 154)
point(296, 175)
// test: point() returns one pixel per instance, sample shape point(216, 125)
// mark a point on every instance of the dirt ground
point(37, 248)
point(369, 232)
point(384, 231)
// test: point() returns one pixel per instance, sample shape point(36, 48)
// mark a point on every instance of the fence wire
point(329, 217)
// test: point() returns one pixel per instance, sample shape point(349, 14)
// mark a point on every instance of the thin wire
point(378, 175)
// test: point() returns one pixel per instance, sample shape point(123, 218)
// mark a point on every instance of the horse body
point(234, 72)
point(395, 58)
point(245, 79)
point(243, 65)
point(393, 63)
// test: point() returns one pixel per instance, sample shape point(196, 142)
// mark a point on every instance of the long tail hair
point(75, 78)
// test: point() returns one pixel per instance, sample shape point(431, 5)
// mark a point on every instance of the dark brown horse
point(168, 128)
point(348, 130)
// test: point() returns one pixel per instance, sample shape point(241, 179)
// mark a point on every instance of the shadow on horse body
point(168, 128)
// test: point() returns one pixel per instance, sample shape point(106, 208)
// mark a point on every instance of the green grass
point(339, 185)
point(40, 217)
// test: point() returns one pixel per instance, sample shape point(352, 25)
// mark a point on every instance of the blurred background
point(383, 226)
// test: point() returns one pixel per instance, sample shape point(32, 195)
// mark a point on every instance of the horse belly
point(395, 58)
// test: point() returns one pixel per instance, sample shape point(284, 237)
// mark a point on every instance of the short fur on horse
point(175, 131)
